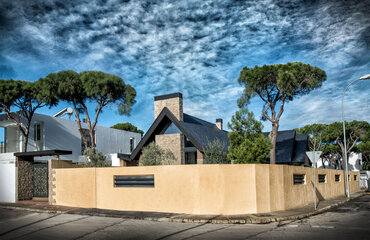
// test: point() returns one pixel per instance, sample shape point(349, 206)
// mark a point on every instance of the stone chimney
point(219, 123)
point(172, 101)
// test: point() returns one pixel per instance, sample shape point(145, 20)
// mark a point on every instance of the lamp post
point(366, 77)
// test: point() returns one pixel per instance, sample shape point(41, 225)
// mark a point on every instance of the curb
point(250, 219)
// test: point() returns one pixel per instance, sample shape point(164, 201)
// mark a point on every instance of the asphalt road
point(350, 221)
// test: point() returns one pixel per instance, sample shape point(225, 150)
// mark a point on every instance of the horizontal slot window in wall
point(298, 179)
point(134, 181)
point(337, 177)
point(322, 178)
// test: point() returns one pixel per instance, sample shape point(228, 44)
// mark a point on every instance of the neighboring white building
point(47, 133)
point(354, 162)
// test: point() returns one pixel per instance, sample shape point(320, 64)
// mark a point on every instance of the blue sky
point(197, 48)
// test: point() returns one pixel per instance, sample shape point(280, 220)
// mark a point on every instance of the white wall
point(354, 162)
point(7, 178)
point(59, 134)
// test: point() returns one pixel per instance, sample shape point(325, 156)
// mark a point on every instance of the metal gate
point(40, 180)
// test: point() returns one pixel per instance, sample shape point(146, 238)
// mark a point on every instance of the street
point(349, 221)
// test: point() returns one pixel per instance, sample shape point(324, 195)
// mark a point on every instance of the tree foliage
point(215, 153)
point(79, 89)
point(95, 159)
point(276, 85)
point(247, 143)
point(328, 138)
point(128, 127)
point(153, 155)
point(19, 100)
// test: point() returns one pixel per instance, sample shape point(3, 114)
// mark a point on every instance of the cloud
point(7, 72)
point(194, 47)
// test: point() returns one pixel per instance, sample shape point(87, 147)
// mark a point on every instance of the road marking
point(316, 226)
point(292, 226)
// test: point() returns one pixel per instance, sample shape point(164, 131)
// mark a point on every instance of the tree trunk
point(25, 142)
point(77, 115)
point(273, 137)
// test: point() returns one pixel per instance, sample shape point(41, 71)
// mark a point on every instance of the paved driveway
point(350, 221)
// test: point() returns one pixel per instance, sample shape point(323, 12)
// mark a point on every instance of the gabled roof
point(203, 132)
point(290, 147)
point(198, 131)
point(300, 148)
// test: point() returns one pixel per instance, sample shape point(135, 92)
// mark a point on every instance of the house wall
point(197, 189)
point(174, 143)
point(63, 134)
point(200, 157)
point(25, 181)
point(111, 140)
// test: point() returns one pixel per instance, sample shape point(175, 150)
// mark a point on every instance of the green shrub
point(214, 153)
point(247, 143)
point(95, 159)
point(155, 155)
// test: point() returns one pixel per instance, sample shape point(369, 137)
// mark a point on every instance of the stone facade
point(174, 104)
point(174, 143)
point(25, 184)
point(200, 157)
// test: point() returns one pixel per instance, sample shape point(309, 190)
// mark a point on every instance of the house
point(291, 148)
point(183, 134)
point(187, 136)
point(47, 132)
point(25, 175)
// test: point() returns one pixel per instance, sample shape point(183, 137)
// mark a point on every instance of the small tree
point(95, 159)
point(215, 153)
point(153, 155)
point(127, 127)
point(247, 143)
point(328, 138)
point(364, 149)
point(91, 86)
point(315, 133)
point(356, 132)
point(276, 85)
point(25, 98)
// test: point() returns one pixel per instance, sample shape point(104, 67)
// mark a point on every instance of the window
point(298, 179)
point(132, 144)
point(337, 177)
point(191, 157)
point(355, 177)
point(172, 129)
point(38, 136)
point(190, 152)
point(322, 178)
point(134, 181)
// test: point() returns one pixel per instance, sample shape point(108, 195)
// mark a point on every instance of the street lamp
point(366, 77)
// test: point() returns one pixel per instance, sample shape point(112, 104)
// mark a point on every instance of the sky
point(196, 47)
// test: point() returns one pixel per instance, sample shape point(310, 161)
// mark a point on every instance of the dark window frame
point(322, 178)
point(299, 179)
point(337, 177)
point(133, 181)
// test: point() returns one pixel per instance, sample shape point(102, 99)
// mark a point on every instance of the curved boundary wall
point(198, 189)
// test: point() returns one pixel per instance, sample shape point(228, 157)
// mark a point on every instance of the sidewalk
point(292, 214)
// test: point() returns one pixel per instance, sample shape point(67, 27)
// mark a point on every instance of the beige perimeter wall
point(197, 189)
